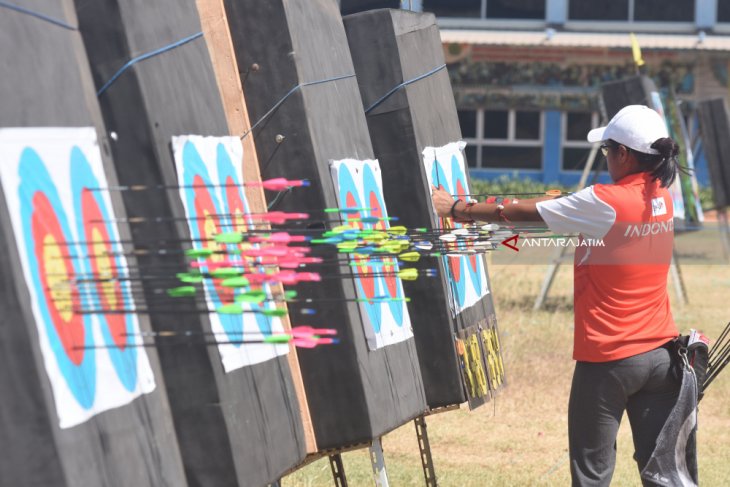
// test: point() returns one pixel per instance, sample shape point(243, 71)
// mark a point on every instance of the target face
point(358, 184)
point(64, 230)
point(466, 275)
point(211, 174)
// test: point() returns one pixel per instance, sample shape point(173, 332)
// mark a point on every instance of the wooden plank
point(217, 35)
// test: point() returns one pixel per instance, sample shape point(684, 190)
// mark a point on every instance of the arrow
point(304, 342)
point(276, 184)
point(302, 331)
point(549, 192)
point(507, 244)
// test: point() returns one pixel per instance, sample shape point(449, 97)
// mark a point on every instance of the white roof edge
point(585, 39)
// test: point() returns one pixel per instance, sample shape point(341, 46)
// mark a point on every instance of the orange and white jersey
point(620, 270)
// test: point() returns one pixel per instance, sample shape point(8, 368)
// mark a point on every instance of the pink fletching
point(276, 184)
point(309, 276)
point(309, 331)
point(304, 342)
point(280, 184)
point(289, 264)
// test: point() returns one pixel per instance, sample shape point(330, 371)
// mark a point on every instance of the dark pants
point(642, 385)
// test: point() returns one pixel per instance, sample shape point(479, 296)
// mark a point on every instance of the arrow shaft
point(295, 341)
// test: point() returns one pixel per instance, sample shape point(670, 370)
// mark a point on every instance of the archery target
point(358, 184)
point(211, 176)
point(467, 278)
point(65, 230)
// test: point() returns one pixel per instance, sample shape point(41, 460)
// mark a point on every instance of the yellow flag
point(636, 50)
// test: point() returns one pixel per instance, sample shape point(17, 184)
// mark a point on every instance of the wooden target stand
point(220, 47)
point(562, 255)
point(217, 35)
point(218, 38)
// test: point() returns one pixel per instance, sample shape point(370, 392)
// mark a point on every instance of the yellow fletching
point(375, 236)
point(341, 229)
point(408, 274)
point(410, 256)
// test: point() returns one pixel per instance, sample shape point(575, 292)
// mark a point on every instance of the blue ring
point(34, 177)
point(124, 361)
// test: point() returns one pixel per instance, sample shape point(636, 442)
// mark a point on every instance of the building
point(526, 73)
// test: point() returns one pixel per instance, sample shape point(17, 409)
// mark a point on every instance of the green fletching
point(229, 237)
point(235, 282)
point(251, 297)
point(329, 240)
point(189, 277)
point(274, 312)
point(223, 272)
point(290, 294)
point(181, 291)
point(230, 309)
point(199, 252)
point(278, 338)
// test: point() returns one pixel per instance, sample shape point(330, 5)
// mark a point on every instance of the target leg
point(378, 462)
point(424, 447)
point(338, 470)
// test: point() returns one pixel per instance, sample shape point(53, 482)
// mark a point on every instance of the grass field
point(521, 438)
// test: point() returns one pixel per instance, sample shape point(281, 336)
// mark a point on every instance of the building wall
point(560, 88)
point(560, 84)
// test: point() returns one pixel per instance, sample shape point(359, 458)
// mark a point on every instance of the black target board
point(715, 130)
point(634, 90)
point(74, 410)
point(155, 81)
point(306, 111)
point(415, 133)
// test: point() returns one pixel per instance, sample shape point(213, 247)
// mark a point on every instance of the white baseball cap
point(635, 126)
